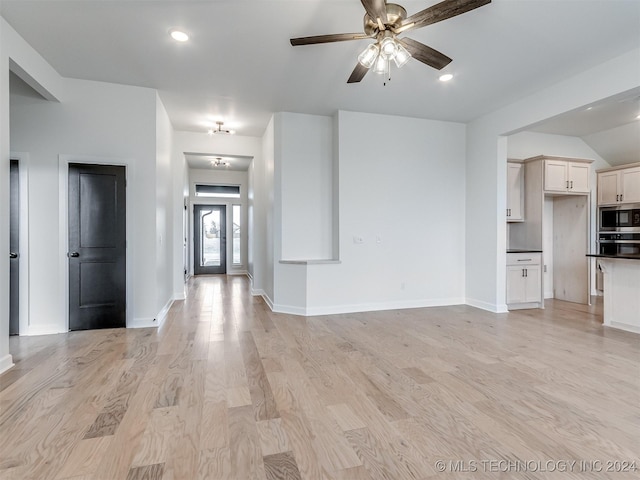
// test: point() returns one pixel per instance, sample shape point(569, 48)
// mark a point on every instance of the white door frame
point(63, 170)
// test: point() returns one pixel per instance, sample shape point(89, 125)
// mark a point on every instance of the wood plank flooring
point(226, 389)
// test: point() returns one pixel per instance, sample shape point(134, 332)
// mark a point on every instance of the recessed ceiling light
point(178, 35)
point(446, 77)
point(589, 108)
point(638, 117)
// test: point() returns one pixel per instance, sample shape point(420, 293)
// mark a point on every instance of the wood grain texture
point(281, 466)
point(227, 389)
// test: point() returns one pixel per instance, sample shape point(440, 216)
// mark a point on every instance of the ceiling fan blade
point(376, 9)
point(338, 37)
point(358, 73)
point(440, 11)
point(424, 54)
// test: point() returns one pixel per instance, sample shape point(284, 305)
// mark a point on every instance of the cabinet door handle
point(524, 259)
point(567, 184)
point(526, 272)
point(571, 184)
point(620, 197)
point(617, 198)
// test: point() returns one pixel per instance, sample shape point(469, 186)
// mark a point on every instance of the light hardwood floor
point(226, 389)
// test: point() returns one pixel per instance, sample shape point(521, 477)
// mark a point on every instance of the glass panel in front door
point(211, 238)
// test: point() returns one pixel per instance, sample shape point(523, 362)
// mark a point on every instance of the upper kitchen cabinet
point(566, 175)
point(619, 185)
point(515, 191)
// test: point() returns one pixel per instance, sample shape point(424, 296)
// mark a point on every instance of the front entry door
point(14, 253)
point(97, 247)
point(210, 244)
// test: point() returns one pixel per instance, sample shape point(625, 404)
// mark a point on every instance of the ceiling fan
point(384, 22)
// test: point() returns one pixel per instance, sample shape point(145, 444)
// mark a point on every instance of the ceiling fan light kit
point(384, 22)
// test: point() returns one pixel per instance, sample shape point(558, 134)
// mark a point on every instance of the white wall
point(164, 209)
point(223, 178)
point(405, 199)
point(263, 240)
point(30, 66)
point(486, 167)
point(304, 170)
point(113, 124)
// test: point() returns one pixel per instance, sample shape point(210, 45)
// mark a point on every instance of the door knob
point(13, 255)
point(73, 254)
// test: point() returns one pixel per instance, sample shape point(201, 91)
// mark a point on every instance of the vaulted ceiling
point(239, 66)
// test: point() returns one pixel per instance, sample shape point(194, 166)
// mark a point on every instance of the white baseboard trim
point(162, 315)
point(366, 307)
point(239, 272)
point(143, 323)
point(268, 301)
point(624, 326)
point(6, 363)
point(289, 310)
point(490, 307)
point(177, 296)
point(50, 329)
point(258, 292)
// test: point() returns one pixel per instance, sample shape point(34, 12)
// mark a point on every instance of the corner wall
point(16, 54)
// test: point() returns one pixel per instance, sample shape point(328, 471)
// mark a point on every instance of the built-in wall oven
point(619, 230)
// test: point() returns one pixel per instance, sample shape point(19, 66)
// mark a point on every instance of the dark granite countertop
point(523, 250)
point(625, 257)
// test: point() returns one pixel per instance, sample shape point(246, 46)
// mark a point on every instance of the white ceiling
point(240, 68)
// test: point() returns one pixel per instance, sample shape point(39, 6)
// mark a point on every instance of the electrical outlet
point(378, 238)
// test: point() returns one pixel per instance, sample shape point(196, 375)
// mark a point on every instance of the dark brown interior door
point(14, 252)
point(97, 247)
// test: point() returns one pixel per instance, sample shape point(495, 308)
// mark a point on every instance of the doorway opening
point(14, 248)
point(210, 239)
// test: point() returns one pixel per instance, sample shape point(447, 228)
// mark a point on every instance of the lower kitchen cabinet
point(524, 280)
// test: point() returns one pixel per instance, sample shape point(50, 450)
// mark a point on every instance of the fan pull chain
point(384, 84)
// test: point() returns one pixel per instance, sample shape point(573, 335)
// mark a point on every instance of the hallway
point(226, 389)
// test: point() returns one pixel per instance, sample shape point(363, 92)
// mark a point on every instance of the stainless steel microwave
point(619, 219)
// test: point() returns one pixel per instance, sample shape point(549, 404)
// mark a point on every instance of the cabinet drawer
point(523, 258)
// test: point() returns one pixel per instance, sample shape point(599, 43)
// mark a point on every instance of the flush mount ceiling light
point(220, 130)
point(218, 162)
point(178, 35)
point(446, 77)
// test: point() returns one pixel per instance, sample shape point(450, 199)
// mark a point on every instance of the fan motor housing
point(395, 15)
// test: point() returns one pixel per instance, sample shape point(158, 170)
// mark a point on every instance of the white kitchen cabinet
point(524, 280)
point(619, 185)
point(515, 192)
point(566, 176)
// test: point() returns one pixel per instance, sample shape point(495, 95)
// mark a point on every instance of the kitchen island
point(621, 274)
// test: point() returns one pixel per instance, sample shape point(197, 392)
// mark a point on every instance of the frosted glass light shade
point(382, 65)
point(368, 57)
point(388, 48)
point(402, 56)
